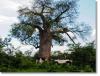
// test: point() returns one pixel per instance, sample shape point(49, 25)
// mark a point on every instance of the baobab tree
point(45, 22)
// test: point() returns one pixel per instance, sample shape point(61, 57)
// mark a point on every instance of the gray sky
point(8, 16)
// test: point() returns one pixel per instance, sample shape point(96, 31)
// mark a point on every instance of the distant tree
point(84, 55)
point(1, 46)
point(59, 55)
point(45, 24)
point(7, 46)
point(28, 53)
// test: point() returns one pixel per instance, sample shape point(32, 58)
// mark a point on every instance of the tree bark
point(45, 44)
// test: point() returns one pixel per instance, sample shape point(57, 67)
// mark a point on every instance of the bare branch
point(58, 38)
point(63, 30)
point(70, 38)
point(61, 14)
point(42, 9)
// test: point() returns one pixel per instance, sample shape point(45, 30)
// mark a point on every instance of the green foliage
point(87, 68)
point(85, 55)
point(59, 55)
point(83, 60)
point(1, 46)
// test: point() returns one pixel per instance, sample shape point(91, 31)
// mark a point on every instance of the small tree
point(1, 46)
point(45, 23)
point(84, 55)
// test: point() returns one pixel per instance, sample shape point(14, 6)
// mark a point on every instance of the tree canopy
point(58, 15)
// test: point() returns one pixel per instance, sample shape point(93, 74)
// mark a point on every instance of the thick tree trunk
point(45, 44)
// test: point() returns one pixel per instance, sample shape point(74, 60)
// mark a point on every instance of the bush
point(83, 59)
point(84, 55)
point(87, 68)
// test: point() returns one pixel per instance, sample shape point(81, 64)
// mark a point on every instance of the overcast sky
point(8, 15)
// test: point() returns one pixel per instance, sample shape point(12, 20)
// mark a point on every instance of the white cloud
point(93, 35)
point(5, 23)
point(23, 2)
point(2, 18)
point(59, 48)
point(8, 16)
point(8, 8)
